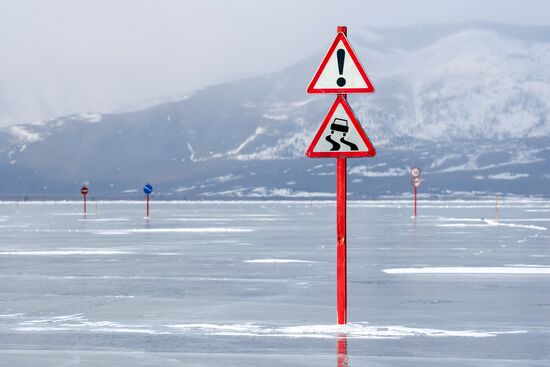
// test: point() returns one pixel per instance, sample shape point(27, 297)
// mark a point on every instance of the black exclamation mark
point(341, 56)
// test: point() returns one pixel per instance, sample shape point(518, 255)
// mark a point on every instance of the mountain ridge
point(471, 88)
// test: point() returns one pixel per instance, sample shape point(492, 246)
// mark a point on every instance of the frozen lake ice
point(253, 284)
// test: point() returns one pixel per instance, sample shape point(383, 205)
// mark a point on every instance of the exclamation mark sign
point(341, 56)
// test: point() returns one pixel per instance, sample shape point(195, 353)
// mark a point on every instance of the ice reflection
point(342, 350)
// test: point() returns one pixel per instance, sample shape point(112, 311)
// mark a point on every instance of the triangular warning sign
point(340, 135)
point(340, 71)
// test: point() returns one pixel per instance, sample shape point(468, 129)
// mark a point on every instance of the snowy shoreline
point(503, 201)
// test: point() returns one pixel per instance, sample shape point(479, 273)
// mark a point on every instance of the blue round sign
point(147, 189)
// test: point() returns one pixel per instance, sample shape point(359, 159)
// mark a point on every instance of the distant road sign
point(84, 190)
point(415, 181)
point(415, 172)
point(147, 189)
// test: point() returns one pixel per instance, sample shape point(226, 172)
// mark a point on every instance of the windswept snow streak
point(63, 253)
point(277, 261)
point(473, 222)
point(173, 230)
point(79, 322)
point(352, 330)
point(496, 270)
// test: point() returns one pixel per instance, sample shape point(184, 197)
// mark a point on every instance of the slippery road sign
point(340, 135)
point(340, 71)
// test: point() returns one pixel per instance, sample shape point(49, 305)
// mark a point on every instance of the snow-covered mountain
point(467, 103)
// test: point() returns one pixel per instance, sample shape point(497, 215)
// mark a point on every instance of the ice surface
point(253, 283)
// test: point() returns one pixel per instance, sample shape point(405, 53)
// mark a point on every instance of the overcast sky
point(65, 56)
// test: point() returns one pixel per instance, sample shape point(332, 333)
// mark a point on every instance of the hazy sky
point(65, 56)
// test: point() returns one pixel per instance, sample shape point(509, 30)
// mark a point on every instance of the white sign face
point(415, 181)
point(340, 135)
point(340, 71)
point(415, 172)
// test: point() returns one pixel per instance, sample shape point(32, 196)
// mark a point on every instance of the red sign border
point(371, 150)
point(340, 37)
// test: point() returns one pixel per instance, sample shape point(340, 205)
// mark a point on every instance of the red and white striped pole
point(341, 255)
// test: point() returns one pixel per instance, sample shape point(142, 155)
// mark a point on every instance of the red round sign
point(84, 190)
point(415, 181)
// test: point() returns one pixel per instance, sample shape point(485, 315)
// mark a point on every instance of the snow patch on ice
point(63, 253)
point(351, 330)
point(472, 222)
point(104, 220)
point(11, 315)
point(277, 261)
point(78, 322)
point(228, 219)
point(68, 214)
point(126, 330)
point(173, 230)
point(497, 270)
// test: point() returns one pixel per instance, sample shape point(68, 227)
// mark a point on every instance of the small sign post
point(415, 181)
point(147, 189)
point(84, 191)
point(341, 136)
